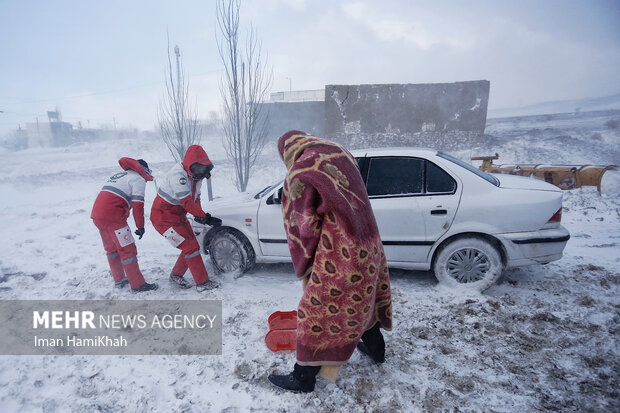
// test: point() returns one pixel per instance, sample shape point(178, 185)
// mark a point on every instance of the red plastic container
point(282, 333)
point(283, 320)
point(279, 340)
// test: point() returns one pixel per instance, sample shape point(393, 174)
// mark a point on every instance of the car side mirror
point(278, 198)
point(275, 198)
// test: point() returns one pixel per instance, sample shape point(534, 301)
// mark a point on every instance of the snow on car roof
point(394, 151)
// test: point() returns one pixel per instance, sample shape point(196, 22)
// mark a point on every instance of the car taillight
point(557, 217)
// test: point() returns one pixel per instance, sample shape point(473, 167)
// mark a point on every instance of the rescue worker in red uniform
point(122, 192)
point(177, 194)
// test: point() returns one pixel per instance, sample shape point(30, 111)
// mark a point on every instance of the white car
point(433, 211)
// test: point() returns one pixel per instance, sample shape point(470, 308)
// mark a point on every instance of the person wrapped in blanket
point(337, 253)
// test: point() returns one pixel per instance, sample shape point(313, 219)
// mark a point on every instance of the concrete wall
point(439, 115)
point(284, 116)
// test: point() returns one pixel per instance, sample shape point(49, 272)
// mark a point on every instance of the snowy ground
point(546, 338)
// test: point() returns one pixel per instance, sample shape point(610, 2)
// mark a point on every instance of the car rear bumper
point(534, 247)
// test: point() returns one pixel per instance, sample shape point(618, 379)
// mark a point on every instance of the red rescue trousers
point(123, 260)
point(165, 216)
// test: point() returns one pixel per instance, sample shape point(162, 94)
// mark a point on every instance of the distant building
point(299, 109)
point(55, 132)
point(316, 95)
point(439, 115)
point(52, 133)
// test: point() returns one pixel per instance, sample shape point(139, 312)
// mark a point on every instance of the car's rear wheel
point(468, 263)
point(231, 251)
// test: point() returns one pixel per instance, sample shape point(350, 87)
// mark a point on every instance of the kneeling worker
point(178, 194)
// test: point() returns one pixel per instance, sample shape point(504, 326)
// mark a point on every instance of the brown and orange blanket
point(336, 248)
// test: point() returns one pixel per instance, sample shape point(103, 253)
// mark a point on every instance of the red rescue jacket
point(121, 192)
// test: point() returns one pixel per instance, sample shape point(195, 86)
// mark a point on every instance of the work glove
point(139, 232)
point(209, 220)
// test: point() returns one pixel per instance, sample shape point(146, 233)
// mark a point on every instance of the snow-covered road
point(546, 338)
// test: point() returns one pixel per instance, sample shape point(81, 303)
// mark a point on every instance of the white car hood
point(522, 182)
point(232, 200)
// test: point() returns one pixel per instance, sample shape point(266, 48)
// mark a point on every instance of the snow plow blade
point(562, 176)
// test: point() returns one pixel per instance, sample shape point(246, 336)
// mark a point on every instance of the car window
point(438, 180)
point(488, 177)
point(362, 164)
point(395, 176)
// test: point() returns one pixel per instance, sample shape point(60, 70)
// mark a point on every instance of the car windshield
point(487, 177)
point(267, 190)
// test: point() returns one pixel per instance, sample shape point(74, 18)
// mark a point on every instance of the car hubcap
point(468, 265)
point(227, 255)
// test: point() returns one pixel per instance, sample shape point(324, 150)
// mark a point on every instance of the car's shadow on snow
point(397, 276)
point(280, 268)
point(402, 277)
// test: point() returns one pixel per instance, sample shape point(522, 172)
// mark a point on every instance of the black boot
point(302, 379)
point(179, 280)
point(372, 344)
point(145, 287)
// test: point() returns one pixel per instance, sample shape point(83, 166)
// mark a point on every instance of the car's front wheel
point(468, 263)
point(230, 251)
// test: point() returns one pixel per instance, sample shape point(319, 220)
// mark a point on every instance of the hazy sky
point(100, 60)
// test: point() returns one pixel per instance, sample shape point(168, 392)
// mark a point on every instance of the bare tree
point(177, 117)
point(244, 85)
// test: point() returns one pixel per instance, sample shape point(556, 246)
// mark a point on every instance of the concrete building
point(438, 115)
point(55, 132)
point(300, 109)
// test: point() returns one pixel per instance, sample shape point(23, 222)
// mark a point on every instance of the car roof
point(394, 151)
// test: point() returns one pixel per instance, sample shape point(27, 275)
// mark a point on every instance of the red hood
point(194, 154)
point(133, 165)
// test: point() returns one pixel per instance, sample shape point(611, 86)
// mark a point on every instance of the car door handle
point(439, 212)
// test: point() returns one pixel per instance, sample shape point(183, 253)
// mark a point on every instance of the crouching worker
point(178, 194)
point(337, 253)
point(122, 192)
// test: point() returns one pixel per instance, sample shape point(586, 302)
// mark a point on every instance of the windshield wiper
point(261, 192)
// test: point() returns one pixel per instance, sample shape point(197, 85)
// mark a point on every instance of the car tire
point(468, 264)
point(231, 251)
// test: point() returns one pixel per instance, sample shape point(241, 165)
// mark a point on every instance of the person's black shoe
point(145, 287)
point(289, 382)
point(121, 284)
point(179, 280)
point(377, 358)
point(207, 285)
point(372, 344)
point(301, 380)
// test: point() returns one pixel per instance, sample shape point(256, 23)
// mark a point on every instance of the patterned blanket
point(335, 245)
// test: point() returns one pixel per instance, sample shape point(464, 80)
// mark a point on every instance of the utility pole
point(290, 84)
point(177, 52)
